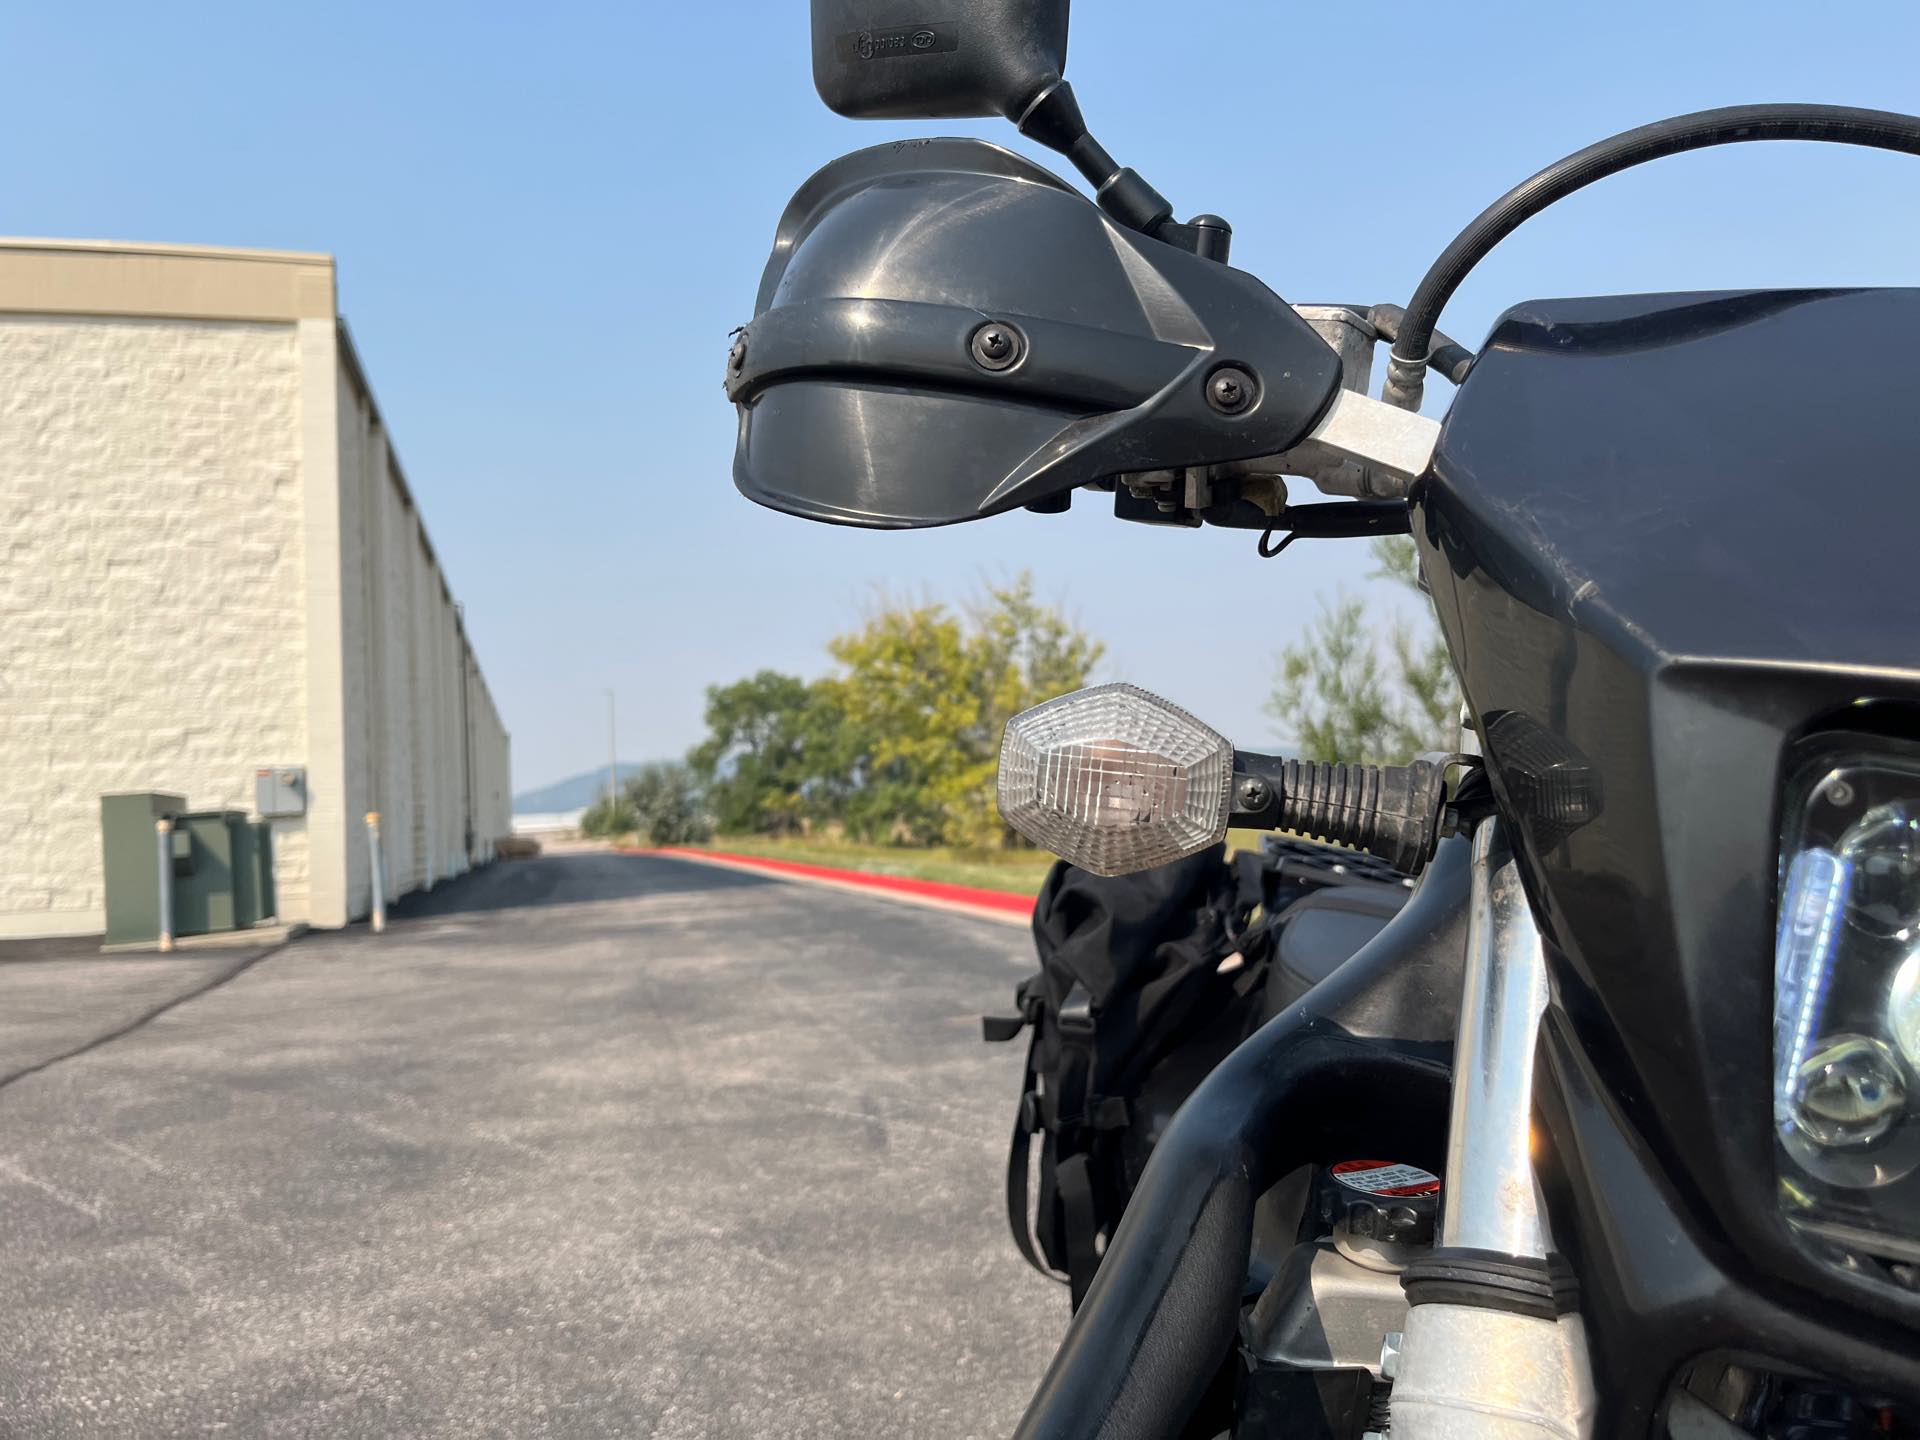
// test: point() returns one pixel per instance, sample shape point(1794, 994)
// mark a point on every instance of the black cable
point(1266, 538)
point(1735, 124)
point(1449, 356)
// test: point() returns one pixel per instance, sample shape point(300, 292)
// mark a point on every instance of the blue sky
point(548, 217)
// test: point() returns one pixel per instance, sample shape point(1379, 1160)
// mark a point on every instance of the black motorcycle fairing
point(1658, 1290)
point(1365, 1053)
point(862, 401)
point(1662, 534)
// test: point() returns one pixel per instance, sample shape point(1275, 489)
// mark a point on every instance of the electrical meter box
point(280, 791)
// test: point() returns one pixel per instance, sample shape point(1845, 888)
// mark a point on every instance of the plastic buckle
point(1030, 1120)
point(1076, 1012)
point(997, 1028)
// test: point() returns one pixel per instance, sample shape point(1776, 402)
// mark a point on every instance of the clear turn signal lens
point(1115, 779)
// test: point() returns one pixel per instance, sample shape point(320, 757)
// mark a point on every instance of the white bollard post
point(163, 834)
point(379, 917)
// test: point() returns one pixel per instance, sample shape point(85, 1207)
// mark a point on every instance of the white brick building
point(209, 563)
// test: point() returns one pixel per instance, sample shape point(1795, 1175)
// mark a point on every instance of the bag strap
point(1072, 1175)
point(1075, 1179)
point(1026, 1124)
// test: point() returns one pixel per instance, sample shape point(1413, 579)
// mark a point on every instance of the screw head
point(737, 356)
point(996, 346)
point(1230, 390)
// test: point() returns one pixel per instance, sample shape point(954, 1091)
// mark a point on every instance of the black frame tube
point(1363, 1059)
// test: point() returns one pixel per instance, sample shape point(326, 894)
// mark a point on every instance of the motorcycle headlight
point(1846, 1092)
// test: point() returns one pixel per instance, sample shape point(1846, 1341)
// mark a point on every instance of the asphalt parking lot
point(586, 1145)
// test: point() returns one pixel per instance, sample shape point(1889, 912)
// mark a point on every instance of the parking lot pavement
point(586, 1145)
point(58, 998)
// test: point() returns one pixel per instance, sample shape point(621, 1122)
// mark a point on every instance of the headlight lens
point(1846, 1099)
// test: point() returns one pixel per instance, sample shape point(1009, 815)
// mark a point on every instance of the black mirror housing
point(948, 60)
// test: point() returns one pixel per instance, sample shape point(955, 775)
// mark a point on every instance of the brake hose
point(1735, 124)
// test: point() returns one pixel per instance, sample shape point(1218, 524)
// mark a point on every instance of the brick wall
point(152, 588)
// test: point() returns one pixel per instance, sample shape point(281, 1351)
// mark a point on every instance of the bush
point(666, 805)
point(609, 816)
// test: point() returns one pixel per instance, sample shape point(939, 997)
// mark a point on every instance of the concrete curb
point(961, 899)
point(266, 935)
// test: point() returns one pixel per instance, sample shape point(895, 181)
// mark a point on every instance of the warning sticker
point(1383, 1177)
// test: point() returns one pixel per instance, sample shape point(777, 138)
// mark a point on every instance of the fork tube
point(1491, 1201)
point(1494, 1347)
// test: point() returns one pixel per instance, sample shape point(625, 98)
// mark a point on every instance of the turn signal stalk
point(1392, 811)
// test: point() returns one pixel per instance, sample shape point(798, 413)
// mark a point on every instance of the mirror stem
point(1053, 118)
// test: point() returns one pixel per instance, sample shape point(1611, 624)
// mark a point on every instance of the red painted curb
point(901, 884)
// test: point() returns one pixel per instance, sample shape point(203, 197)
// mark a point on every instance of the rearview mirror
point(936, 59)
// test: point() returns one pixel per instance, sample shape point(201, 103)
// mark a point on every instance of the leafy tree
point(1429, 717)
point(932, 691)
point(1331, 692)
point(901, 743)
point(1343, 701)
point(1027, 652)
point(778, 754)
point(665, 802)
point(907, 681)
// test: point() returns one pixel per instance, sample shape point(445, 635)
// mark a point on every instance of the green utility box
point(131, 861)
point(222, 868)
point(253, 897)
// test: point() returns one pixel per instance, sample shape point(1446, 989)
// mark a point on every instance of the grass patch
point(1013, 872)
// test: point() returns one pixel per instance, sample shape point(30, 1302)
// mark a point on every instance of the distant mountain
point(574, 793)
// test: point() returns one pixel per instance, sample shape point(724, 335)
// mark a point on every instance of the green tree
point(666, 805)
point(906, 680)
point(932, 690)
point(901, 742)
point(779, 754)
point(1343, 700)
point(1026, 652)
point(1429, 714)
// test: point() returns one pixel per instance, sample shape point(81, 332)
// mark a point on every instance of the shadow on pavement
point(572, 878)
point(70, 1003)
point(61, 997)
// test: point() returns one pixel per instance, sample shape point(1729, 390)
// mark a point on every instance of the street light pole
point(613, 762)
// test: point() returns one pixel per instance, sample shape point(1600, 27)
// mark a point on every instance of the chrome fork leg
point(1491, 1201)
point(1485, 1352)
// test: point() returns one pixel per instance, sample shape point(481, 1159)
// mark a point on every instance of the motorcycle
point(1677, 1193)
